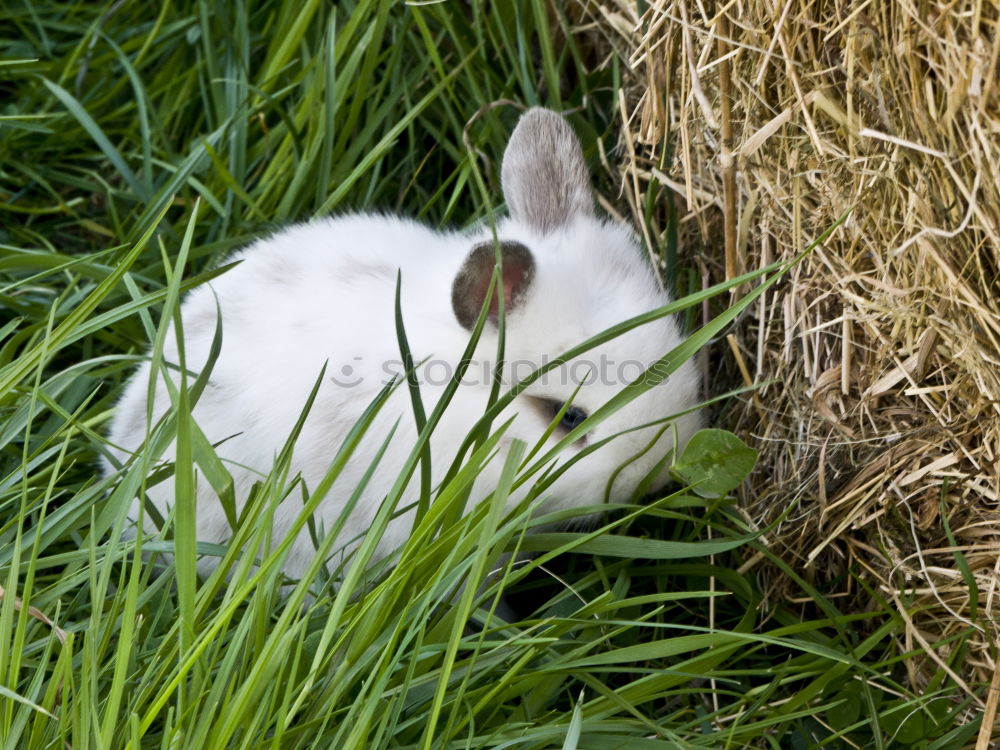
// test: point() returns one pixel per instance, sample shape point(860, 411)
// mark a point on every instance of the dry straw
point(883, 430)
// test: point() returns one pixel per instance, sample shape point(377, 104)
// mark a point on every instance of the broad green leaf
point(714, 462)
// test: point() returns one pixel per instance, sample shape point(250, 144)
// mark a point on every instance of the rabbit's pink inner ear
point(469, 289)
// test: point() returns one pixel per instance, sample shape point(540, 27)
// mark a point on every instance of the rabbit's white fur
point(323, 292)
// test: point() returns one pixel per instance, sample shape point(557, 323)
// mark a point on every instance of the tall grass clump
point(139, 145)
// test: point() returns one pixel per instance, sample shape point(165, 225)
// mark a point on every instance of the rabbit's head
point(567, 276)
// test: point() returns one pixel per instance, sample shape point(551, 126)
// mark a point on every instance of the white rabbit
point(323, 292)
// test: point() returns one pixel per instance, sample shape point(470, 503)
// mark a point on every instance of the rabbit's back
point(313, 297)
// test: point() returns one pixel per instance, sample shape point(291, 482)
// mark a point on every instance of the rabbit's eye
point(571, 419)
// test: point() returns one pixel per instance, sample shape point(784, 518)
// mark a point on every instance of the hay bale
point(883, 429)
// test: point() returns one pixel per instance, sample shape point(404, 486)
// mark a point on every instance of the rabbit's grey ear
point(468, 290)
point(544, 176)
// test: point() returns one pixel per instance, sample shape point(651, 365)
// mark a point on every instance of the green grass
point(137, 146)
